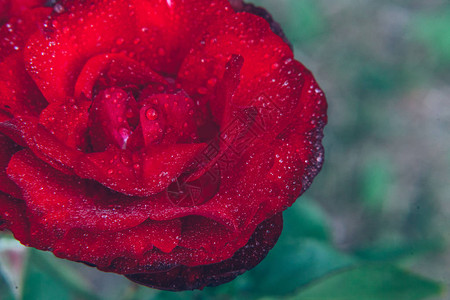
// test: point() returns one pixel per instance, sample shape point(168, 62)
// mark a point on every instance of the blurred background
point(375, 224)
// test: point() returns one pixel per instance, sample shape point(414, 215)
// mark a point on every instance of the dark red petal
point(60, 203)
point(26, 131)
point(101, 248)
point(120, 70)
point(7, 150)
point(13, 216)
point(150, 31)
point(145, 173)
point(246, 258)
point(221, 104)
point(168, 118)
point(14, 34)
point(260, 49)
point(276, 95)
point(109, 119)
point(4, 116)
point(156, 261)
point(9, 8)
point(68, 122)
point(82, 30)
point(240, 5)
point(169, 28)
point(68, 202)
point(18, 93)
point(200, 232)
point(140, 174)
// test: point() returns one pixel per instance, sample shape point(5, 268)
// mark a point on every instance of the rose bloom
point(156, 139)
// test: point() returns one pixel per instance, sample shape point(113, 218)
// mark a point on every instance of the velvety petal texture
point(161, 140)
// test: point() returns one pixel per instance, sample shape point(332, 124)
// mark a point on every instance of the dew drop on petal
point(151, 114)
point(120, 41)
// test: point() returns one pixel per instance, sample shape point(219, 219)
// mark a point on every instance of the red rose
point(156, 139)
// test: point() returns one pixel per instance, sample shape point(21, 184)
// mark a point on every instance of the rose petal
point(7, 150)
point(109, 119)
point(138, 28)
point(199, 232)
point(10, 8)
point(13, 217)
point(68, 122)
point(55, 57)
point(101, 248)
point(139, 174)
point(69, 202)
point(246, 258)
point(26, 131)
point(120, 70)
point(18, 93)
point(260, 49)
point(14, 34)
point(169, 28)
point(172, 111)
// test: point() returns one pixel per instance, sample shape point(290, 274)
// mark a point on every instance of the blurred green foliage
point(374, 225)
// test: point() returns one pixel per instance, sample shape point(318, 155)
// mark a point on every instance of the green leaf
point(48, 278)
point(305, 219)
point(292, 265)
point(375, 182)
point(39, 285)
point(395, 251)
point(371, 282)
point(5, 290)
point(432, 29)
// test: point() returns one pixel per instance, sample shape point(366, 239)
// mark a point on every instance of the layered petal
point(246, 258)
point(7, 150)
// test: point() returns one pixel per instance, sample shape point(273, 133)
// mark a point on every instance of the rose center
point(133, 120)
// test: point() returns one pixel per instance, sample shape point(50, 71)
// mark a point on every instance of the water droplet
point(58, 8)
point(120, 41)
point(151, 114)
point(202, 90)
point(212, 82)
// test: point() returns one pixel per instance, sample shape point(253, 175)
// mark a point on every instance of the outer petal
point(9, 8)
point(58, 204)
point(27, 132)
point(18, 93)
point(143, 173)
point(103, 247)
point(169, 28)
point(7, 150)
point(13, 217)
point(69, 202)
point(15, 33)
point(138, 28)
point(83, 29)
point(260, 49)
point(246, 258)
